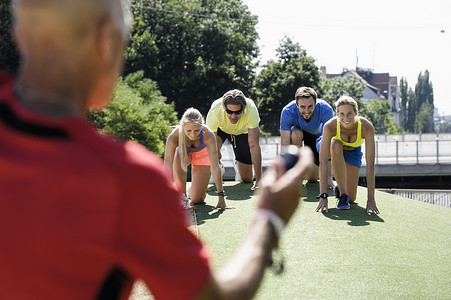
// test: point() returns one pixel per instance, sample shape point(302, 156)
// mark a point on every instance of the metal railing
point(437, 197)
point(390, 149)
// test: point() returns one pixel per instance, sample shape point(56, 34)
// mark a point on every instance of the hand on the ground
point(255, 186)
point(322, 205)
point(371, 206)
point(280, 189)
point(330, 182)
point(222, 204)
point(219, 206)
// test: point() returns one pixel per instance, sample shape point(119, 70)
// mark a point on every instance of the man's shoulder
point(136, 155)
point(290, 105)
point(216, 103)
point(120, 154)
point(4, 78)
point(215, 106)
point(323, 108)
point(322, 103)
point(250, 102)
point(6, 83)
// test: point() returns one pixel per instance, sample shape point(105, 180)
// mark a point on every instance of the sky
point(400, 37)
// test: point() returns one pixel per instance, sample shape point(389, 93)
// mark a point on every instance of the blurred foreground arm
point(280, 193)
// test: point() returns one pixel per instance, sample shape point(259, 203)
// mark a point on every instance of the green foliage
point(419, 105)
point(423, 89)
point(142, 53)
point(378, 113)
point(9, 56)
point(137, 112)
point(424, 93)
point(332, 89)
point(278, 81)
point(403, 92)
point(424, 119)
point(412, 107)
point(195, 50)
point(445, 126)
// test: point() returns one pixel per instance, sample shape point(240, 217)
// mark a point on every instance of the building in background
point(380, 86)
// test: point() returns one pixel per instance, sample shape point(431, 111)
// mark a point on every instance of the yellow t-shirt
point(358, 142)
point(217, 118)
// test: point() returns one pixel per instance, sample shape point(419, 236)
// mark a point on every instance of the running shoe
point(343, 202)
point(337, 192)
point(221, 166)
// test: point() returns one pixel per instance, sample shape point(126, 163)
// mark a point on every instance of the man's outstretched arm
point(279, 197)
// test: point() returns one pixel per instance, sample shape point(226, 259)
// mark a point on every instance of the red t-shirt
point(77, 208)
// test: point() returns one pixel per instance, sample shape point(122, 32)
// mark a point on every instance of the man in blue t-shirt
point(302, 121)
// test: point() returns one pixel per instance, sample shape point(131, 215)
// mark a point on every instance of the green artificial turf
point(403, 253)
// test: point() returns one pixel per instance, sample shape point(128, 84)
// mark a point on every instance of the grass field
point(403, 253)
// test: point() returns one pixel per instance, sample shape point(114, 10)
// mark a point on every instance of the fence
point(390, 149)
point(437, 197)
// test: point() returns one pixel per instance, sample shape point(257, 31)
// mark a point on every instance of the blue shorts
point(353, 157)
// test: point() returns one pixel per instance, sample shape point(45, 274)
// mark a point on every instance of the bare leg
point(219, 145)
point(246, 172)
point(352, 174)
point(179, 175)
point(339, 166)
point(199, 183)
point(296, 138)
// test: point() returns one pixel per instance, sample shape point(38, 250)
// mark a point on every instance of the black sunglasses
point(231, 112)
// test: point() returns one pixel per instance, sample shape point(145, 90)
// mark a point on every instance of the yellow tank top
point(358, 142)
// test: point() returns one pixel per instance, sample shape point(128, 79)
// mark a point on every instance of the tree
point(9, 56)
point(278, 81)
point(424, 120)
point(332, 89)
point(137, 112)
point(403, 91)
point(378, 113)
point(195, 50)
point(424, 93)
point(412, 107)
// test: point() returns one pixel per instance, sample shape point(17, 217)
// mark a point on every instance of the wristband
point(323, 195)
point(277, 223)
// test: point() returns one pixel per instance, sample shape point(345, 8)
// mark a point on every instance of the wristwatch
point(323, 195)
point(221, 193)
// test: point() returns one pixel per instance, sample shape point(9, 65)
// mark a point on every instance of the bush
point(137, 112)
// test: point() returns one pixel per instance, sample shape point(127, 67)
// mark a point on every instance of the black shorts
point(240, 145)
point(310, 141)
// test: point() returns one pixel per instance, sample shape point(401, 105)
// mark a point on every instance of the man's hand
point(256, 185)
point(322, 205)
point(280, 189)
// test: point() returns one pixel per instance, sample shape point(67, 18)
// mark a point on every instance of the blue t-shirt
point(291, 116)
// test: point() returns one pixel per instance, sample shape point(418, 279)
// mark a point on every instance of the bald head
point(71, 47)
point(73, 19)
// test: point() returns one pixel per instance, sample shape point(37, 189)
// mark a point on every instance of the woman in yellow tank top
point(342, 139)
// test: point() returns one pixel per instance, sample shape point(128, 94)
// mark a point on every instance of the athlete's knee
point(336, 148)
point(197, 199)
point(247, 179)
point(296, 136)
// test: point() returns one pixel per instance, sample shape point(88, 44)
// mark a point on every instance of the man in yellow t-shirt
point(235, 117)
